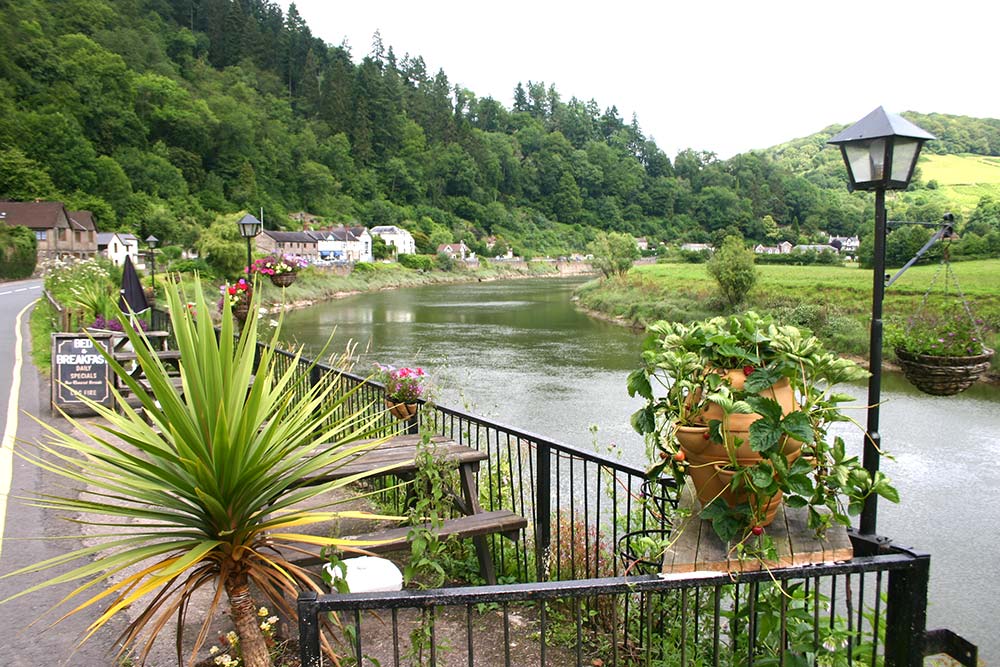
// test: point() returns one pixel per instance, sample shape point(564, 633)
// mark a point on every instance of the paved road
point(29, 534)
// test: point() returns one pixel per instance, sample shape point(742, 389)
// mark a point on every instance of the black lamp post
point(152, 241)
point(880, 152)
point(249, 228)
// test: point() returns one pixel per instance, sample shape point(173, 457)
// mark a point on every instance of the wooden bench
point(502, 522)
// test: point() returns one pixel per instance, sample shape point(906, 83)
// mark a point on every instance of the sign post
point(78, 369)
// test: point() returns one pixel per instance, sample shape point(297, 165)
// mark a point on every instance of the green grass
point(833, 302)
point(960, 169)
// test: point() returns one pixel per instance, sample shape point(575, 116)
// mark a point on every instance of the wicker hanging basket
point(943, 376)
point(283, 279)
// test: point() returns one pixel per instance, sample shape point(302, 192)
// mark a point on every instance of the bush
point(733, 268)
point(18, 252)
point(364, 267)
point(191, 266)
point(445, 262)
point(416, 262)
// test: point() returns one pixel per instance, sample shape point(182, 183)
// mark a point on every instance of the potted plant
point(240, 296)
point(281, 269)
point(941, 350)
point(744, 416)
point(403, 388)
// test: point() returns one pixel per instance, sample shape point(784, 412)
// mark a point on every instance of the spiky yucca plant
point(203, 494)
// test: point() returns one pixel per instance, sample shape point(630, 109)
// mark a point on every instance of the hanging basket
point(241, 309)
point(943, 376)
point(283, 279)
point(404, 411)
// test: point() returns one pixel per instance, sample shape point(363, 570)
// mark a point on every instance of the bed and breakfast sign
point(78, 369)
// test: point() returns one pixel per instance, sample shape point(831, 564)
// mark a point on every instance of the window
point(41, 234)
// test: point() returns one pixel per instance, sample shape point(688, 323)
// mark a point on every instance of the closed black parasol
point(132, 296)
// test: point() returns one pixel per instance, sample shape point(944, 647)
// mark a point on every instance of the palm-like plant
point(208, 490)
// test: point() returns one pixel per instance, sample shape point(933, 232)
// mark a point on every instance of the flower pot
point(283, 279)
point(765, 507)
point(241, 309)
point(401, 410)
point(781, 392)
point(943, 376)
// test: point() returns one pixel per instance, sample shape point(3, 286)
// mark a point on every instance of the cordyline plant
point(206, 493)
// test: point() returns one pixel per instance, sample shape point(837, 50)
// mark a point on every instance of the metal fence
point(572, 606)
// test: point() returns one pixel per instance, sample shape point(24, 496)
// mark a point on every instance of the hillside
point(169, 118)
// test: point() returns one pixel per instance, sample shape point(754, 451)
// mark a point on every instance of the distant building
point(307, 219)
point(274, 242)
point(816, 247)
point(642, 242)
point(846, 245)
point(343, 244)
point(58, 233)
point(696, 247)
point(782, 248)
point(116, 246)
point(400, 240)
point(458, 250)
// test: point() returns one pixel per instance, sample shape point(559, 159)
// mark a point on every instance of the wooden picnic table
point(697, 548)
point(400, 452)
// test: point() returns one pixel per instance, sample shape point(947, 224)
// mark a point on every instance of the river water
point(520, 353)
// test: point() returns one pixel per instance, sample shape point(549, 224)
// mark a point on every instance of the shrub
point(733, 268)
point(416, 262)
point(18, 252)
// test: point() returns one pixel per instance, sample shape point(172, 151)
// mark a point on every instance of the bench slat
point(485, 523)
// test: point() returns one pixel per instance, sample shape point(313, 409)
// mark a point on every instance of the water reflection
point(520, 353)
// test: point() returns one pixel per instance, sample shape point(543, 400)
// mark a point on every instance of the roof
point(33, 215)
point(82, 220)
point(104, 238)
point(290, 237)
point(879, 123)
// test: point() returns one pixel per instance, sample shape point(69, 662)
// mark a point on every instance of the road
point(30, 534)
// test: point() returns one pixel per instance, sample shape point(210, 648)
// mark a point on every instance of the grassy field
point(834, 302)
point(960, 169)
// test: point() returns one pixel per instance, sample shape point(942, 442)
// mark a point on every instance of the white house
point(696, 247)
point(782, 248)
point(344, 244)
point(457, 250)
point(116, 246)
point(848, 244)
point(400, 240)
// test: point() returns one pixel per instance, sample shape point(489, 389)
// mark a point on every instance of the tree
point(380, 250)
point(733, 268)
point(211, 489)
point(613, 253)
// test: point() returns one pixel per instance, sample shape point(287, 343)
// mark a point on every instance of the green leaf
point(798, 426)
point(644, 420)
point(800, 484)
point(761, 476)
point(764, 435)
point(638, 383)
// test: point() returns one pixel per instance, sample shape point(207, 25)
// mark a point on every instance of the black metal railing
point(572, 605)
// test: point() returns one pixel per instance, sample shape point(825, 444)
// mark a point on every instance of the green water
point(520, 353)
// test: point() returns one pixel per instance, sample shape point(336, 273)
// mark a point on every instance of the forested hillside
point(166, 117)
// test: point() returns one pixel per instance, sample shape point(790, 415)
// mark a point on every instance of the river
point(520, 353)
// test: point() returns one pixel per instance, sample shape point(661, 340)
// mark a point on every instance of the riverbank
point(317, 285)
point(832, 302)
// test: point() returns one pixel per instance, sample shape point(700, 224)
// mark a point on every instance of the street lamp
point(249, 228)
point(880, 152)
point(151, 241)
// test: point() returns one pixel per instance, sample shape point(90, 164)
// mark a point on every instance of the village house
point(399, 240)
point(300, 244)
point(116, 246)
point(782, 248)
point(696, 247)
point(344, 244)
point(847, 245)
point(457, 250)
point(642, 243)
point(59, 233)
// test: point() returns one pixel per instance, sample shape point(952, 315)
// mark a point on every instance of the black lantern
point(249, 228)
point(880, 152)
point(152, 241)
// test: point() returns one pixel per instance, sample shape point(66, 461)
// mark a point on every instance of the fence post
point(308, 629)
point(906, 614)
point(543, 508)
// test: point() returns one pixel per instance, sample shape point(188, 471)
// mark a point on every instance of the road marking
point(10, 429)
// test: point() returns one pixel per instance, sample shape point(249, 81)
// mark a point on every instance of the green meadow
point(834, 302)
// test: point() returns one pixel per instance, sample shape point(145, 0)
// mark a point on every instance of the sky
point(719, 76)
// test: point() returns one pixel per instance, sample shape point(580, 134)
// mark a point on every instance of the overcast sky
point(719, 76)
